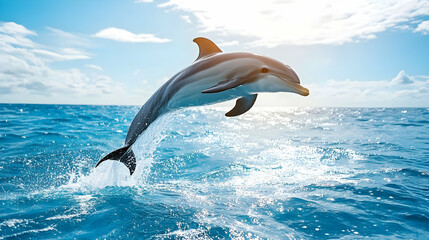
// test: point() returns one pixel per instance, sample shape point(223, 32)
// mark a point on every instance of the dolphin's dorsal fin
point(206, 46)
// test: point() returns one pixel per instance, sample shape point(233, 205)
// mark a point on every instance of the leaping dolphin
point(214, 77)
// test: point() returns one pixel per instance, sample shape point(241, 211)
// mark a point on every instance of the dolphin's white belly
point(190, 95)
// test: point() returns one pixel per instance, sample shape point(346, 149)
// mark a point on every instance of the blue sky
point(348, 53)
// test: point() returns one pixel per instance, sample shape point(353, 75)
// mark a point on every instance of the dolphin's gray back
point(149, 112)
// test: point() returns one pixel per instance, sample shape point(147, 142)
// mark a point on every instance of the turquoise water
point(286, 173)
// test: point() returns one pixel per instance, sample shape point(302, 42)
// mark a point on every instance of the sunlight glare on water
point(272, 173)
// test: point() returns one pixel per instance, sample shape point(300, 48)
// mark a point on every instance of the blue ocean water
point(272, 173)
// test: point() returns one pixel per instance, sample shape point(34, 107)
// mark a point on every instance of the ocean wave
point(276, 173)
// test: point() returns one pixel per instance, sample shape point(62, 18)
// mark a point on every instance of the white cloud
point(228, 44)
point(403, 27)
point(12, 33)
point(186, 18)
point(274, 22)
point(423, 27)
point(349, 93)
point(14, 41)
point(14, 29)
point(42, 80)
point(402, 78)
point(401, 91)
point(63, 55)
point(26, 76)
point(96, 67)
point(122, 35)
point(66, 38)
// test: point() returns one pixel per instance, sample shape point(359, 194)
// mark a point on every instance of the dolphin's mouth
point(296, 87)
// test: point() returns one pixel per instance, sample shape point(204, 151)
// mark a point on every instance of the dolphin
point(213, 77)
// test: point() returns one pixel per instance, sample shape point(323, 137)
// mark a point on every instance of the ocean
point(272, 173)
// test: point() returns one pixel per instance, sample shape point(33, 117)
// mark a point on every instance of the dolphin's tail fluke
point(124, 155)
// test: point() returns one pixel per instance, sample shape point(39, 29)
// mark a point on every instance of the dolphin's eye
point(264, 70)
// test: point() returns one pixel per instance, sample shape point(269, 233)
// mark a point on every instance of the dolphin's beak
point(299, 89)
point(292, 80)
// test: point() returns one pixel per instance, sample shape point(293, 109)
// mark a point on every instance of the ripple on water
point(285, 173)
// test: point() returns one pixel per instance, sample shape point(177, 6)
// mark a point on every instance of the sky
point(355, 53)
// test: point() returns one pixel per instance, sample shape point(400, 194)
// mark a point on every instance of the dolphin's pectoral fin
point(242, 105)
point(206, 46)
point(124, 155)
point(223, 86)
